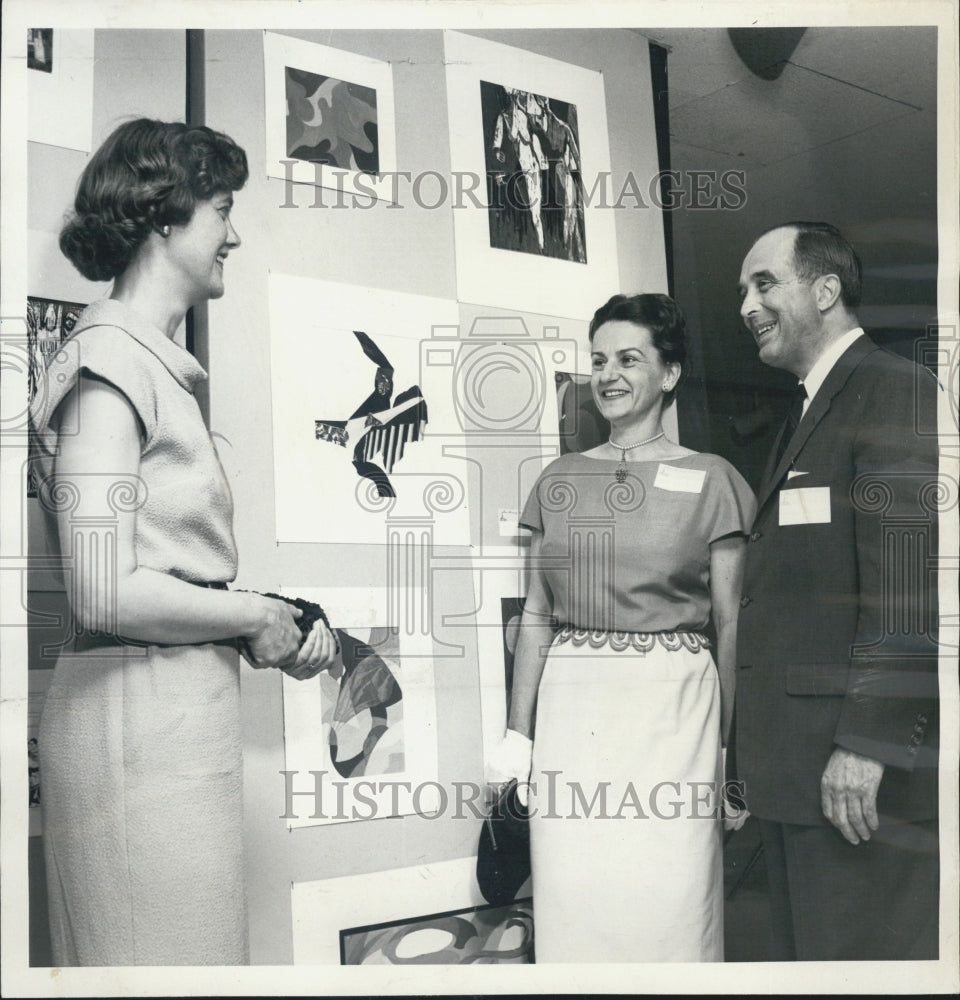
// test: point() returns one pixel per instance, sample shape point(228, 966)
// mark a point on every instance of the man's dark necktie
point(793, 418)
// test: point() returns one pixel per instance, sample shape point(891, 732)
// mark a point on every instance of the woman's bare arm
point(108, 591)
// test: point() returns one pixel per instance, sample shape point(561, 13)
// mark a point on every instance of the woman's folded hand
point(319, 651)
point(275, 640)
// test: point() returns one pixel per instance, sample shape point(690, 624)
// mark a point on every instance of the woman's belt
point(642, 642)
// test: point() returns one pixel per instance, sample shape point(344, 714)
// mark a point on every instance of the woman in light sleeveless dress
point(637, 549)
point(140, 733)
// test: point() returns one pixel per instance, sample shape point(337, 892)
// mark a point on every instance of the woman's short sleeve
point(105, 352)
point(532, 516)
point(731, 505)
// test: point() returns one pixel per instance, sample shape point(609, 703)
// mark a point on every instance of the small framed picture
point(40, 49)
point(329, 118)
point(429, 914)
point(49, 323)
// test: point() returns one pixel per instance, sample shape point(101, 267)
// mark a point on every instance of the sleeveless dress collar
point(181, 364)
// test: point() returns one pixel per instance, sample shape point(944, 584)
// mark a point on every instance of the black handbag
point(503, 851)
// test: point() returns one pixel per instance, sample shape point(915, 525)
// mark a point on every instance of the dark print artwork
point(40, 49)
point(581, 425)
point(483, 935)
point(331, 121)
point(378, 430)
point(534, 184)
point(33, 770)
point(49, 323)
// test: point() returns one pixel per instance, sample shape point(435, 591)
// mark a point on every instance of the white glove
point(510, 758)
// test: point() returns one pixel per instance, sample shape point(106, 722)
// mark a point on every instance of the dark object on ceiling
point(765, 51)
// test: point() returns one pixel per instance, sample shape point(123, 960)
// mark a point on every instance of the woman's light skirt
point(140, 758)
point(626, 837)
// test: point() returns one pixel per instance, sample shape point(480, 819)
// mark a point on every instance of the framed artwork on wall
point(38, 681)
point(60, 87)
point(363, 735)
point(40, 49)
point(422, 915)
point(580, 425)
point(329, 118)
point(360, 423)
point(49, 323)
point(532, 133)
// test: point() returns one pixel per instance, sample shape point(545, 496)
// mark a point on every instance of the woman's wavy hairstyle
point(146, 175)
point(660, 315)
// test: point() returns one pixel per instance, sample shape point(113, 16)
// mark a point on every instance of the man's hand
point(848, 793)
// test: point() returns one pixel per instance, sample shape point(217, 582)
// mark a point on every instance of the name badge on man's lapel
point(805, 505)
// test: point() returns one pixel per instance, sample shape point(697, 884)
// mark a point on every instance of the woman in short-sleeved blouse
point(636, 551)
point(140, 731)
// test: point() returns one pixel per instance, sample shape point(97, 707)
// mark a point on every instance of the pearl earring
point(165, 231)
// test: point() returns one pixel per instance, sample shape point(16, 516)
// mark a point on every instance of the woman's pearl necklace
point(621, 473)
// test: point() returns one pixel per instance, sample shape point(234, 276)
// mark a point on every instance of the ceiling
point(847, 133)
point(848, 128)
point(836, 83)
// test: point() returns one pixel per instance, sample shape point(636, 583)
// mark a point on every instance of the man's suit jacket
point(836, 636)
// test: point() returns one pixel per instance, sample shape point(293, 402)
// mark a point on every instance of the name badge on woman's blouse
point(669, 477)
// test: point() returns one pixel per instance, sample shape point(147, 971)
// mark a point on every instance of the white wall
point(410, 250)
point(143, 73)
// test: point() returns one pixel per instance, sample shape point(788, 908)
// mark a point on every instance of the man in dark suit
point(836, 716)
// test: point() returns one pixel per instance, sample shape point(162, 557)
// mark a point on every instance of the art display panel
point(421, 915)
point(534, 129)
point(487, 935)
point(500, 595)
point(60, 87)
point(363, 734)
point(360, 418)
point(49, 323)
point(329, 117)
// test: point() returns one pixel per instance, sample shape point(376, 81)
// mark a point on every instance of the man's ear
point(827, 290)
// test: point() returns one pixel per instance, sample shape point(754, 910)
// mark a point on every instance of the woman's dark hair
point(146, 175)
point(659, 314)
